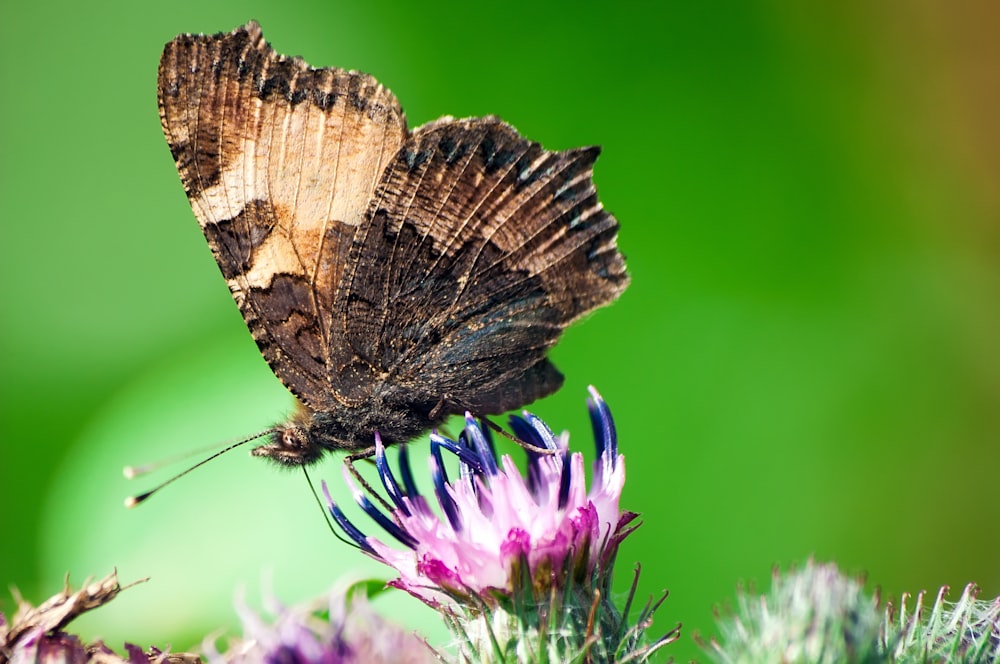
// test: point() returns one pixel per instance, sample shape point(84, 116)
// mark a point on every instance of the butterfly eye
point(291, 438)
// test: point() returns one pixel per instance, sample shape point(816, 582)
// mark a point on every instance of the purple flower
point(339, 629)
point(518, 565)
point(493, 520)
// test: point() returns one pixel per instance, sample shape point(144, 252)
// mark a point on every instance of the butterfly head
point(291, 445)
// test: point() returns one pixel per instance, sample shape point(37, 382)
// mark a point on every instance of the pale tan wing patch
point(279, 161)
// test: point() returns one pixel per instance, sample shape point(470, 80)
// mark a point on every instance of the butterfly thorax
point(308, 434)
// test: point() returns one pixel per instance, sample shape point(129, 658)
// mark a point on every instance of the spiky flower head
point(519, 565)
point(815, 615)
point(966, 631)
point(818, 615)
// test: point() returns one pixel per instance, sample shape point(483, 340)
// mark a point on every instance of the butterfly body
point(390, 277)
point(307, 435)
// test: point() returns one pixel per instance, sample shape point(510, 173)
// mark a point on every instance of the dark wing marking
point(279, 161)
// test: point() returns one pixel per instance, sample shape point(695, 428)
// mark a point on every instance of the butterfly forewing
point(279, 161)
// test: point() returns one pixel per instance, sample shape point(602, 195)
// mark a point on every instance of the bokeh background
point(806, 364)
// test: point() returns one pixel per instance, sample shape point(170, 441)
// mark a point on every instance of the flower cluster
point(519, 566)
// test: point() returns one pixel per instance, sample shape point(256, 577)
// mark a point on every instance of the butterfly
point(390, 277)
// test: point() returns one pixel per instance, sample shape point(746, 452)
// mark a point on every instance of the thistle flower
point(965, 631)
point(815, 615)
point(338, 629)
point(519, 566)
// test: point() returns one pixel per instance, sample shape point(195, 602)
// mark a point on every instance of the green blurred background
point(807, 361)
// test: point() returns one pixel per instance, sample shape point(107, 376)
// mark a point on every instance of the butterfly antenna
point(130, 471)
point(326, 515)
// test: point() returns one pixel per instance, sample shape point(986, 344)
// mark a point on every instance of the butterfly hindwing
point(279, 161)
point(478, 248)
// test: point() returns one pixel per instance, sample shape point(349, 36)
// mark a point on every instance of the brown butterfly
point(390, 278)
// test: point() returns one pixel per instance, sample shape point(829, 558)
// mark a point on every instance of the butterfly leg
point(509, 436)
point(446, 404)
point(366, 455)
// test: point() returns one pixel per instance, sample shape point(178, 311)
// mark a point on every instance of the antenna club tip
point(134, 471)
